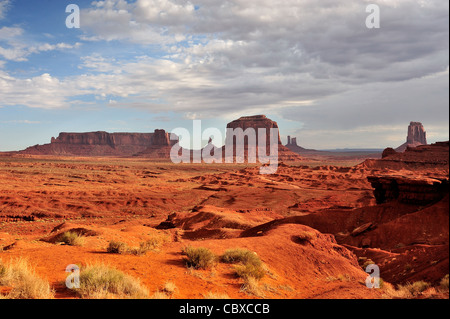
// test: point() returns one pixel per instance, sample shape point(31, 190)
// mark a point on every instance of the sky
point(312, 66)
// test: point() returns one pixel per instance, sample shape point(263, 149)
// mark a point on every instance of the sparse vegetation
point(408, 291)
point(166, 292)
point(365, 262)
point(169, 288)
point(99, 281)
point(232, 256)
point(117, 247)
point(444, 283)
point(213, 295)
point(416, 287)
point(249, 270)
point(249, 264)
point(71, 238)
point(199, 258)
point(251, 286)
point(340, 277)
point(25, 283)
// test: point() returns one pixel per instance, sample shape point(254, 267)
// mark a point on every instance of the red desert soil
point(220, 206)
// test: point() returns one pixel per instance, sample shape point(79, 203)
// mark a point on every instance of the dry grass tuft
point(99, 281)
point(199, 258)
point(25, 283)
point(71, 238)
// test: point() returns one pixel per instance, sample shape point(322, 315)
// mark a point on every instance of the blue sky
point(136, 66)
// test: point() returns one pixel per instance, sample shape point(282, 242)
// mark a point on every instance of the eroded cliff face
point(417, 176)
point(409, 190)
point(104, 138)
point(102, 144)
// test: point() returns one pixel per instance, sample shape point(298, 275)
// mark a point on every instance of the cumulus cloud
point(14, 48)
point(311, 61)
point(286, 49)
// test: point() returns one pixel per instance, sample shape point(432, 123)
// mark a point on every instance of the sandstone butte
point(416, 136)
point(151, 145)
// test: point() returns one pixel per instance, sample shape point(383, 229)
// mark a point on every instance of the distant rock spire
point(416, 136)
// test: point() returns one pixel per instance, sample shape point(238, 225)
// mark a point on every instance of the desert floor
point(217, 206)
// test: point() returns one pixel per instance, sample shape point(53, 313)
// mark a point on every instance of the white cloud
point(311, 61)
point(4, 4)
point(14, 48)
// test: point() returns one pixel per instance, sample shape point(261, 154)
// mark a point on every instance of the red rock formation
point(416, 136)
point(292, 145)
point(256, 122)
point(102, 144)
point(421, 174)
point(409, 190)
point(422, 158)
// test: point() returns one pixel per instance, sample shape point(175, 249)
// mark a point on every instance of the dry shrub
point(251, 286)
point(407, 291)
point(71, 238)
point(245, 256)
point(169, 288)
point(249, 270)
point(25, 283)
point(117, 247)
point(199, 258)
point(250, 265)
point(99, 281)
point(444, 283)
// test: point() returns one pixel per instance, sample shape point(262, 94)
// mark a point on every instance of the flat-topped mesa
point(416, 136)
point(104, 138)
point(102, 143)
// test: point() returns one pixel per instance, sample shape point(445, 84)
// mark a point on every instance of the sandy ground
point(214, 206)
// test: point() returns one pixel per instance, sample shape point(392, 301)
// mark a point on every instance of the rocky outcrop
point(388, 152)
point(421, 174)
point(409, 190)
point(103, 144)
point(292, 145)
point(416, 136)
point(423, 157)
point(257, 122)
